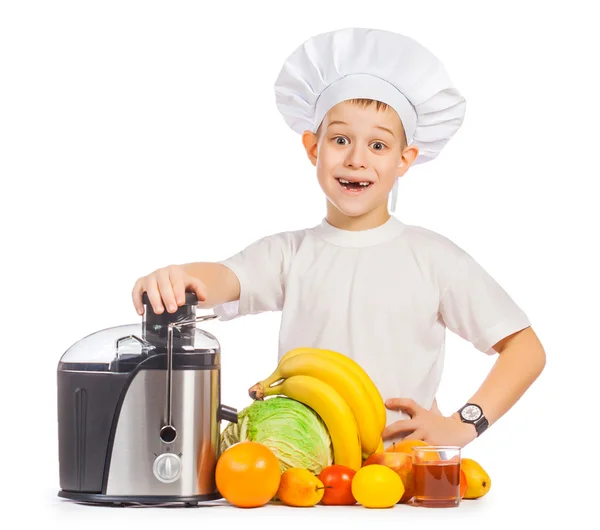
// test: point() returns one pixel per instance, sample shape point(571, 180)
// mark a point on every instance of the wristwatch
point(473, 414)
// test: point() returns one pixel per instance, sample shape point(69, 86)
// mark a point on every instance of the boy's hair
point(364, 103)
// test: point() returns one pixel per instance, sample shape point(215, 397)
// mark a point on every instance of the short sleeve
point(260, 269)
point(474, 306)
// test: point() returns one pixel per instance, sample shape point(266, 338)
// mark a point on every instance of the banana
point(333, 410)
point(352, 366)
point(347, 384)
point(379, 449)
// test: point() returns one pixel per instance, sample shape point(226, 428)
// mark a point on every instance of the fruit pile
point(248, 476)
point(248, 473)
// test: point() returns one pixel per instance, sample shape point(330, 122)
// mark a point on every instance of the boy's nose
point(357, 158)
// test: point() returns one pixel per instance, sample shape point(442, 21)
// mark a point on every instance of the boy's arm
point(520, 362)
point(222, 284)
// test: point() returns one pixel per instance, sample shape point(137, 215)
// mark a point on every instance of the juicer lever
point(169, 393)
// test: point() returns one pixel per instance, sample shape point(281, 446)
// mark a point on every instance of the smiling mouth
point(353, 186)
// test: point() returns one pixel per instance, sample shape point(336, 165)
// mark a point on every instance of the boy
point(369, 104)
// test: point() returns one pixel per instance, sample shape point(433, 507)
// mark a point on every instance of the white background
point(134, 135)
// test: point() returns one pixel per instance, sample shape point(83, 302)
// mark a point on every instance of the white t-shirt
point(383, 297)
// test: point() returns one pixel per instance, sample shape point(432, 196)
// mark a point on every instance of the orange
point(463, 484)
point(248, 474)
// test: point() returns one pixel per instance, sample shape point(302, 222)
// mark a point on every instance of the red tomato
point(337, 480)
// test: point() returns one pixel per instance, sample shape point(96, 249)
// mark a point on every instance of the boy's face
point(359, 152)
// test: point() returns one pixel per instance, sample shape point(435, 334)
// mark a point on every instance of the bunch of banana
point(339, 391)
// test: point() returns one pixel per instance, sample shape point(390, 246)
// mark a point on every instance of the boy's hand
point(428, 425)
point(166, 286)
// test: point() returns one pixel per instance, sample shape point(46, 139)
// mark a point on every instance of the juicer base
point(132, 500)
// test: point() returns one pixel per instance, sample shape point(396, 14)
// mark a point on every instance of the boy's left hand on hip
point(429, 426)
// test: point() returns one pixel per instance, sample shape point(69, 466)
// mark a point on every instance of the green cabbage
point(294, 432)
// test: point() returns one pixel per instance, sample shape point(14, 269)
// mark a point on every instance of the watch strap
point(481, 424)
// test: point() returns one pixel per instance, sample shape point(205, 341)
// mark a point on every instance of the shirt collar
point(389, 230)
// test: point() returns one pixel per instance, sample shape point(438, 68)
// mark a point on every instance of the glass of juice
point(437, 476)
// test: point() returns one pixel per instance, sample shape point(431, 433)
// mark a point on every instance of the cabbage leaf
point(294, 432)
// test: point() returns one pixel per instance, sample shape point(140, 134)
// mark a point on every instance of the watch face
point(471, 413)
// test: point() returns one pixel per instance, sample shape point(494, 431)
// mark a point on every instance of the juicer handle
point(178, 325)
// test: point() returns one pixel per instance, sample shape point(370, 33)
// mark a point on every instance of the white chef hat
point(368, 63)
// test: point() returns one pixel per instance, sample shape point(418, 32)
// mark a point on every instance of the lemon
point(377, 486)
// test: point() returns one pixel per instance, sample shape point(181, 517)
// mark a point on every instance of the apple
point(401, 463)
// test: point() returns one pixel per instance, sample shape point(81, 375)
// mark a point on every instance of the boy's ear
point(408, 157)
point(310, 142)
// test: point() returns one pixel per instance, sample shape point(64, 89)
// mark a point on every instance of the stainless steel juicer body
point(139, 422)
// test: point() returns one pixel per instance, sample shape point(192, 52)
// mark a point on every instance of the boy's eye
point(341, 140)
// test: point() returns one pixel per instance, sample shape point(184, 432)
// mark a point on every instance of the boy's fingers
point(181, 285)
point(166, 290)
point(136, 295)
point(154, 295)
point(178, 289)
point(166, 287)
point(200, 289)
point(401, 426)
point(403, 404)
point(419, 434)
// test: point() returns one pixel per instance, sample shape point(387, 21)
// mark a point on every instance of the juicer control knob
point(167, 467)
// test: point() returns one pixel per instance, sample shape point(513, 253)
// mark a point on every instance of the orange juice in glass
point(437, 476)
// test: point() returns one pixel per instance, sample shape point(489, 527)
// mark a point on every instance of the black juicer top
point(155, 326)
